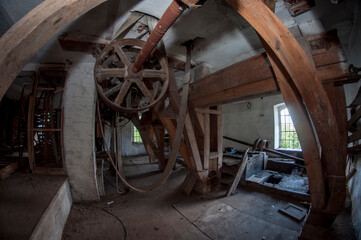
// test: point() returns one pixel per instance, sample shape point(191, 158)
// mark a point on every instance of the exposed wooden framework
point(292, 69)
point(260, 79)
point(24, 39)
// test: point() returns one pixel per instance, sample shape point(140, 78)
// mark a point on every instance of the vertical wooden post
point(207, 139)
point(219, 138)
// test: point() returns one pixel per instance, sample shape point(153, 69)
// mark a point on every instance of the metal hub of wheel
point(121, 88)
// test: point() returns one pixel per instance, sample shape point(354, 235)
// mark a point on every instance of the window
point(285, 132)
point(136, 135)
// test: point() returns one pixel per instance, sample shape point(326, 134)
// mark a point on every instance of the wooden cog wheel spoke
point(123, 91)
point(151, 73)
point(109, 60)
point(121, 88)
point(156, 86)
point(145, 92)
point(129, 100)
point(122, 55)
point(113, 90)
point(110, 72)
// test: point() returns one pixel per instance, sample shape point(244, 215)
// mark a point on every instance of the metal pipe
point(265, 149)
point(169, 17)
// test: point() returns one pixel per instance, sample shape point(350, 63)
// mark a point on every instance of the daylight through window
point(286, 135)
point(136, 135)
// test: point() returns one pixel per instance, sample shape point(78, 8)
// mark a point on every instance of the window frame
point(136, 138)
point(278, 128)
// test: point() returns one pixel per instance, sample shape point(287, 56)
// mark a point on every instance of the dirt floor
point(168, 214)
point(23, 200)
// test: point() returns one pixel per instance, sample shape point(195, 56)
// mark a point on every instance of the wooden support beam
point(220, 137)
point(304, 130)
point(189, 134)
point(304, 77)
point(146, 138)
point(238, 175)
point(256, 68)
point(226, 85)
point(31, 32)
point(81, 43)
point(206, 142)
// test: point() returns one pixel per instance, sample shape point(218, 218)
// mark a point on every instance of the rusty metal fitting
point(169, 17)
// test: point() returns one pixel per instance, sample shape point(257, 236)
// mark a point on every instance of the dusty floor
point(163, 214)
point(167, 214)
point(23, 200)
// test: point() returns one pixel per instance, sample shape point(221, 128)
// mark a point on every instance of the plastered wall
point(79, 133)
point(250, 120)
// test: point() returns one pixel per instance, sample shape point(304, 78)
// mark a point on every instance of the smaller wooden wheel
point(119, 87)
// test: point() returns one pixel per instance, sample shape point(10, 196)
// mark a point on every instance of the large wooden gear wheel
point(122, 89)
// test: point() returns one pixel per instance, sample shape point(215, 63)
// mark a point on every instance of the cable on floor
point(124, 227)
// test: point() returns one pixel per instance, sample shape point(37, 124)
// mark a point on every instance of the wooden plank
point(152, 156)
point(8, 170)
point(239, 174)
point(354, 118)
point(294, 212)
point(220, 137)
point(326, 49)
point(189, 183)
point(81, 43)
point(351, 174)
point(190, 137)
point(46, 89)
point(31, 32)
point(354, 137)
point(46, 129)
point(333, 73)
point(179, 64)
point(159, 135)
point(207, 139)
point(208, 111)
point(146, 138)
point(253, 88)
point(242, 92)
point(229, 77)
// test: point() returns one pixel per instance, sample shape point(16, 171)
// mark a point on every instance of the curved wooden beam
point(303, 75)
point(24, 39)
point(304, 130)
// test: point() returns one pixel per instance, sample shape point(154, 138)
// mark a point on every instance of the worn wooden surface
point(304, 130)
point(238, 175)
point(305, 79)
point(226, 85)
point(31, 32)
